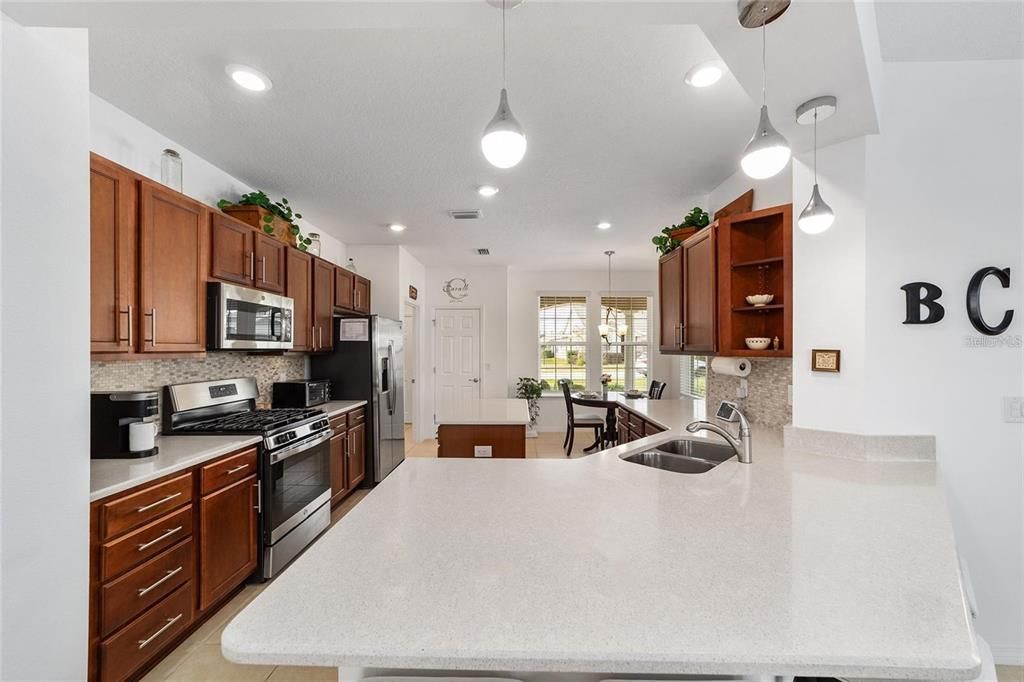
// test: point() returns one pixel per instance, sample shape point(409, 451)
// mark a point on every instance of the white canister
point(141, 436)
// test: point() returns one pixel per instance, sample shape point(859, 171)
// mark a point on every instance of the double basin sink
point(683, 456)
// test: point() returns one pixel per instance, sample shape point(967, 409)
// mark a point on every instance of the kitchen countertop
point(110, 476)
point(795, 564)
point(501, 411)
point(336, 407)
point(668, 414)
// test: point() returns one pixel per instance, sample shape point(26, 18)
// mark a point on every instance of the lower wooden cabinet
point(631, 426)
point(227, 540)
point(356, 454)
point(348, 453)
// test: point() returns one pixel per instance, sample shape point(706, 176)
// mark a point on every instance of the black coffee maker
point(113, 413)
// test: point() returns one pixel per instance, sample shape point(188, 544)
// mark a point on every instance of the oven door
point(296, 482)
point(247, 319)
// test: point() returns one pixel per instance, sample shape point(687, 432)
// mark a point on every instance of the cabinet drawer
point(636, 422)
point(142, 640)
point(134, 510)
point(651, 429)
point(228, 470)
point(130, 550)
point(339, 423)
point(140, 588)
point(356, 416)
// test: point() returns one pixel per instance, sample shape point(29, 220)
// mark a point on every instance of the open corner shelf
point(759, 308)
point(759, 261)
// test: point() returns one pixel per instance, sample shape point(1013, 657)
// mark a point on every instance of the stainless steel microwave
point(247, 319)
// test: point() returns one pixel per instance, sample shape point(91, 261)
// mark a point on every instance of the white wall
point(128, 141)
point(44, 323)
point(768, 192)
point(942, 189)
point(523, 289)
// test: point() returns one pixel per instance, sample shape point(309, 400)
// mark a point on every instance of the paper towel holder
point(735, 367)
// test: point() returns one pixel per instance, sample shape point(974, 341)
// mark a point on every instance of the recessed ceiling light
point(604, 226)
point(396, 227)
point(705, 74)
point(487, 190)
point(248, 77)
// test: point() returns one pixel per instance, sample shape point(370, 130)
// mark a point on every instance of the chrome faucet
point(728, 412)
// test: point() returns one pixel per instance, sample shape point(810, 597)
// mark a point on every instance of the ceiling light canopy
point(817, 216)
point(604, 226)
point(767, 153)
point(705, 74)
point(487, 190)
point(503, 142)
point(396, 227)
point(248, 77)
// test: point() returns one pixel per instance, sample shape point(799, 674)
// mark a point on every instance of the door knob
point(475, 381)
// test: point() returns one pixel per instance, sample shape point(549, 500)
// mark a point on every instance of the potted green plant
point(672, 236)
point(273, 217)
point(530, 390)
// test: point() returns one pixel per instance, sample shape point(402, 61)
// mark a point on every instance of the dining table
point(609, 402)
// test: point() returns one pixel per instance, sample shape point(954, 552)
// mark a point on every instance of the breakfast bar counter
point(486, 427)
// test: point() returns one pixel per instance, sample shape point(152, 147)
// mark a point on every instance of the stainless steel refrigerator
point(366, 364)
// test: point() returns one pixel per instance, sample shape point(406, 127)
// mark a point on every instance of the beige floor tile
point(205, 663)
point(286, 673)
point(209, 632)
point(167, 666)
point(1010, 673)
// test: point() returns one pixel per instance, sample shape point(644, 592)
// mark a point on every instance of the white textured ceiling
point(376, 117)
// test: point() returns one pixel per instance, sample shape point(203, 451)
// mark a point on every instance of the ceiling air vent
point(467, 214)
point(483, 252)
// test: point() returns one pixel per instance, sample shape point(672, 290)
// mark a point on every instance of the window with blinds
point(562, 326)
point(625, 341)
point(693, 376)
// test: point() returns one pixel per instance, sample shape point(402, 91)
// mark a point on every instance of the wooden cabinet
point(670, 301)
point(356, 454)
point(227, 540)
point(114, 232)
point(339, 459)
point(245, 256)
point(631, 426)
point(299, 286)
point(361, 295)
point(699, 330)
point(323, 305)
point(344, 288)
point(172, 270)
point(271, 256)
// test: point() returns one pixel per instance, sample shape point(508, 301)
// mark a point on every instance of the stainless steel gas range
point(294, 459)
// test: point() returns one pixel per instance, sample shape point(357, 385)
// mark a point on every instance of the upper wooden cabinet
point(299, 287)
point(704, 283)
point(242, 255)
point(344, 288)
point(114, 235)
point(172, 270)
point(323, 305)
point(361, 304)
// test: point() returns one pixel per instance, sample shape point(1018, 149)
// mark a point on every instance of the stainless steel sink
point(701, 449)
point(683, 456)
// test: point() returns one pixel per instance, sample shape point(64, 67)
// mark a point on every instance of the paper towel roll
point(734, 367)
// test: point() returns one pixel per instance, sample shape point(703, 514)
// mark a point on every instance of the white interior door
point(456, 357)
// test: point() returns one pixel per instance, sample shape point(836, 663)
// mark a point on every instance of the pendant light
point(503, 141)
point(817, 216)
point(605, 328)
point(767, 153)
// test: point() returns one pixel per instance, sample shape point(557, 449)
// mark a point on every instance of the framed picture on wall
point(824, 360)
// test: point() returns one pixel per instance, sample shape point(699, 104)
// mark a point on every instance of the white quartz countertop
point(110, 476)
point(485, 411)
point(336, 407)
point(794, 564)
point(668, 414)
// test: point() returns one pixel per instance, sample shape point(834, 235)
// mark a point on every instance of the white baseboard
point(1008, 655)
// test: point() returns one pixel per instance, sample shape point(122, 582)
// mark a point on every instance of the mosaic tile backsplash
point(767, 400)
point(155, 374)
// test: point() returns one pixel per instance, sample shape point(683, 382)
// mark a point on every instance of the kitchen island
point(487, 427)
point(585, 569)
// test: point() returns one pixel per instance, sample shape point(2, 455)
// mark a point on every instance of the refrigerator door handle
point(391, 377)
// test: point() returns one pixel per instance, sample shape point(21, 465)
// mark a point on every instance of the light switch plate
point(481, 450)
point(1013, 409)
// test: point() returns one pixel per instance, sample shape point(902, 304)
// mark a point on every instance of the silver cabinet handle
point(263, 268)
point(158, 502)
point(259, 495)
point(170, 622)
point(320, 343)
point(312, 336)
point(252, 267)
point(169, 533)
point(152, 326)
point(129, 313)
point(236, 469)
point(682, 335)
point(144, 590)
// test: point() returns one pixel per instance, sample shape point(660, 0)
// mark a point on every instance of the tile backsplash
point(153, 374)
point(767, 400)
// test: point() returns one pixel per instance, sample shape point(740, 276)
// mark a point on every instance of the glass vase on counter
point(170, 169)
point(314, 244)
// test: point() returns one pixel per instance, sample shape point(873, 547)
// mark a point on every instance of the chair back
point(656, 389)
point(564, 383)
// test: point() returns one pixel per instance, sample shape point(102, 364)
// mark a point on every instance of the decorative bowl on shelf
point(758, 300)
point(757, 342)
point(633, 393)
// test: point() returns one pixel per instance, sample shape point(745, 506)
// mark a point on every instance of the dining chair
point(655, 390)
point(594, 422)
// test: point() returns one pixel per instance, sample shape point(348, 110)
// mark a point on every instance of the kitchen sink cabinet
point(299, 287)
point(323, 305)
point(172, 271)
point(114, 239)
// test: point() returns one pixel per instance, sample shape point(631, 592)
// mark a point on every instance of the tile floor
point(198, 658)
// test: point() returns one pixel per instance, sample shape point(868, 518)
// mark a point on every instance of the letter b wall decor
point(923, 305)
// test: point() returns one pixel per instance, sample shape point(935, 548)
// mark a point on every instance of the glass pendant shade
point(767, 153)
point(503, 143)
point(817, 216)
point(604, 330)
